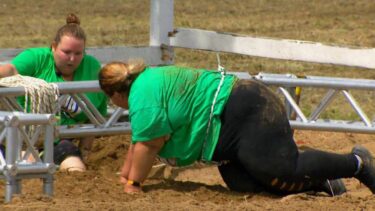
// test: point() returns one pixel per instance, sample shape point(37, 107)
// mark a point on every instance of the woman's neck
point(68, 77)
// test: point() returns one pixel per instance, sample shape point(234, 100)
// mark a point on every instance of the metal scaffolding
point(288, 83)
point(18, 138)
point(115, 123)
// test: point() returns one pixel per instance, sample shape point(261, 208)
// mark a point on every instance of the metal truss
point(15, 126)
point(17, 138)
point(287, 84)
point(99, 125)
point(114, 124)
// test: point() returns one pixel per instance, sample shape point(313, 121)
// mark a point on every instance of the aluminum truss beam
point(286, 83)
point(98, 126)
point(15, 166)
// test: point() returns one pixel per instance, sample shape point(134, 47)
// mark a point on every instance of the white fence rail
point(272, 48)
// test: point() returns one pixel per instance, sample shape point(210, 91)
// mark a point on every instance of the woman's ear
point(53, 46)
point(120, 100)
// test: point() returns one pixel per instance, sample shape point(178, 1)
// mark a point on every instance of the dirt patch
point(199, 188)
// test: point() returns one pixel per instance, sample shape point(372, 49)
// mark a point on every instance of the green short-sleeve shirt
point(177, 101)
point(39, 63)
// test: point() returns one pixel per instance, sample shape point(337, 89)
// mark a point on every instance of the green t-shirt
point(39, 63)
point(177, 101)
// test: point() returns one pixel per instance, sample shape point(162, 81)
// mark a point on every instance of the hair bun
point(72, 18)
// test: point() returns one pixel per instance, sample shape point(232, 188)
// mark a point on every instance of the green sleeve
point(26, 63)
point(149, 123)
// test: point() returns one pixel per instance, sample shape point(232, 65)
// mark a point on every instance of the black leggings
point(64, 149)
point(257, 140)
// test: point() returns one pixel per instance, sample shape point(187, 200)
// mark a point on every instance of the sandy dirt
point(199, 188)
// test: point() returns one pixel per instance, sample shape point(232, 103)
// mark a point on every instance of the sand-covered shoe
point(334, 187)
point(366, 173)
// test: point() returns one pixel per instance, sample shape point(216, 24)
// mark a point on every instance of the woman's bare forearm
point(143, 157)
point(127, 163)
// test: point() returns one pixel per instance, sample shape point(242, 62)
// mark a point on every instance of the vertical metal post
point(288, 106)
point(161, 21)
point(10, 160)
point(161, 26)
point(17, 153)
point(48, 159)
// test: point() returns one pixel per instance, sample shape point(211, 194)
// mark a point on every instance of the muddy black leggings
point(257, 140)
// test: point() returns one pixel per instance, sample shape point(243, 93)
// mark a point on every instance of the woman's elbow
point(7, 70)
point(154, 145)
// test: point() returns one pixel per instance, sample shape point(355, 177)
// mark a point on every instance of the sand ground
point(188, 189)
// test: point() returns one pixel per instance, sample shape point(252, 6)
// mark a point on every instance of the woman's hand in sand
point(131, 189)
point(128, 188)
point(123, 180)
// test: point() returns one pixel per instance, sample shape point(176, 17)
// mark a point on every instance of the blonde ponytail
point(118, 76)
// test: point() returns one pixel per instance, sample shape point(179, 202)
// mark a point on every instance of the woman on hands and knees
point(186, 115)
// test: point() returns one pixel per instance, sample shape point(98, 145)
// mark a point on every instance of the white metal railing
point(333, 86)
point(98, 125)
point(113, 124)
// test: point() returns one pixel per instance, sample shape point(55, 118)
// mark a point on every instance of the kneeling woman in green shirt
point(184, 115)
point(65, 60)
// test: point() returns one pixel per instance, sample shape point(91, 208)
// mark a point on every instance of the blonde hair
point(118, 76)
